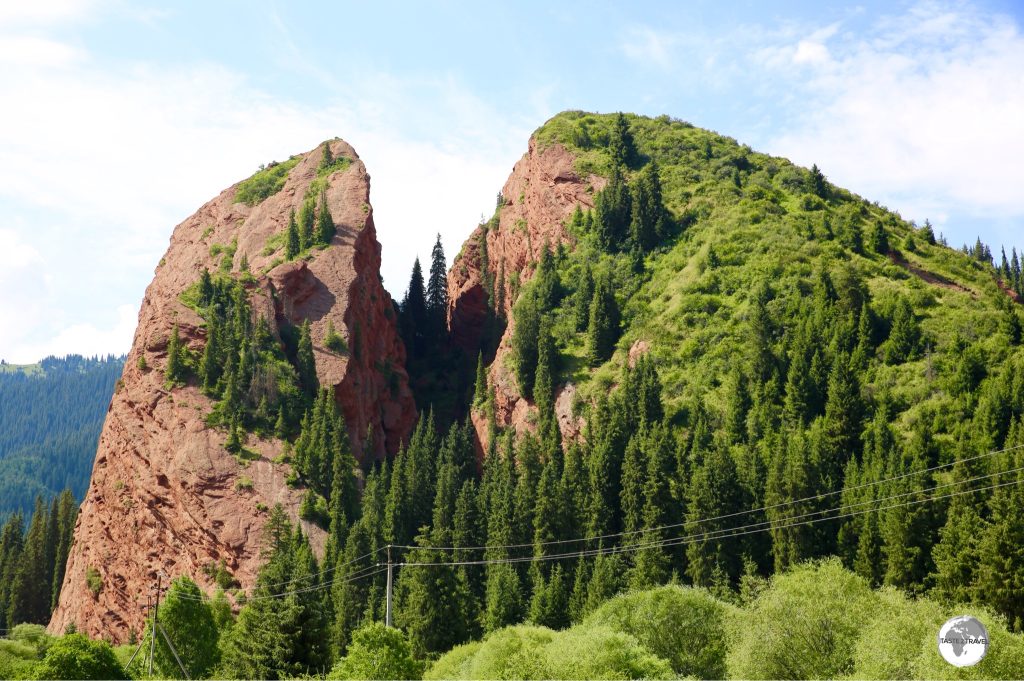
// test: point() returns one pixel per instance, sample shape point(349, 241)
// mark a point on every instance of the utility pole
point(156, 620)
point(387, 609)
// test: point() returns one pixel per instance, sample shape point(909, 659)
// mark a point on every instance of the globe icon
point(963, 641)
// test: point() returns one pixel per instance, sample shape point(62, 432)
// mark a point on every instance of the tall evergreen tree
point(30, 593)
point(414, 315)
point(293, 244)
point(306, 362)
point(437, 292)
point(324, 221)
point(603, 325)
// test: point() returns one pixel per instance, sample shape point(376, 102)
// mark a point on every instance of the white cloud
point(924, 114)
point(101, 163)
point(646, 45)
point(43, 11)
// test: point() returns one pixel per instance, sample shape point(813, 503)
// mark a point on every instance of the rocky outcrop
point(165, 496)
point(539, 199)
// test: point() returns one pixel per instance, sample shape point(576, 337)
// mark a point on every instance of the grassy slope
point(693, 312)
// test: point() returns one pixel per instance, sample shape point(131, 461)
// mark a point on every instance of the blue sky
point(121, 118)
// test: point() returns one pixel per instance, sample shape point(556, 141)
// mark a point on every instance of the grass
point(692, 301)
point(265, 183)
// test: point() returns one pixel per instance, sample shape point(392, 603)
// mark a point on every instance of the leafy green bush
point(1004, 659)
point(529, 652)
point(805, 625)
point(377, 652)
point(76, 657)
point(93, 580)
point(889, 643)
point(265, 183)
point(685, 626)
point(595, 652)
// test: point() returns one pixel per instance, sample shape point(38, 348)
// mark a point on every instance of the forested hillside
point(50, 419)
point(768, 371)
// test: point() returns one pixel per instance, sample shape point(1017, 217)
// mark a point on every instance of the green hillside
point(754, 238)
point(51, 414)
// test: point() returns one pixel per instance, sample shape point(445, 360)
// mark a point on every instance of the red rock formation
point(540, 196)
point(165, 495)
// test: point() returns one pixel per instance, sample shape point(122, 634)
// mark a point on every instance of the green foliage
point(682, 625)
point(377, 652)
point(76, 657)
point(93, 580)
point(804, 626)
point(187, 618)
point(265, 183)
point(334, 341)
point(525, 652)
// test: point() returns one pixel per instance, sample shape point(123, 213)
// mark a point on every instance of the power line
point(706, 536)
point(718, 517)
point(362, 573)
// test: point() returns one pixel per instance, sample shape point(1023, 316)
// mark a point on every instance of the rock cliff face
point(540, 197)
point(165, 496)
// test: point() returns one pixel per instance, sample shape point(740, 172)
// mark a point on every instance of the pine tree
point(305, 361)
point(30, 593)
point(544, 382)
point(12, 540)
point(174, 373)
point(612, 213)
point(326, 158)
point(603, 324)
point(414, 315)
point(430, 602)
point(713, 492)
point(581, 299)
point(437, 292)
point(307, 221)
point(817, 183)
point(324, 222)
point(292, 244)
point(480, 387)
point(524, 343)
point(621, 145)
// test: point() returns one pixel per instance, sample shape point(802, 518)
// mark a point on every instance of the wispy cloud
point(649, 46)
point(923, 112)
point(101, 162)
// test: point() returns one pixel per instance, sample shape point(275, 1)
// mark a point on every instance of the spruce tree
point(480, 386)
point(713, 492)
point(414, 315)
point(524, 343)
point(324, 222)
point(305, 361)
point(581, 299)
point(292, 243)
point(621, 145)
point(12, 540)
point(603, 325)
point(31, 588)
point(307, 222)
point(430, 602)
point(437, 292)
point(174, 373)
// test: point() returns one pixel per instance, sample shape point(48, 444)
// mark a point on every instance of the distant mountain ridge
point(51, 413)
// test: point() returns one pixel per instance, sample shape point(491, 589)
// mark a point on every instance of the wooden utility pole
point(387, 608)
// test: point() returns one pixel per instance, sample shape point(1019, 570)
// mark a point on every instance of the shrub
point(377, 652)
point(264, 183)
point(682, 625)
point(333, 340)
point(601, 653)
point(889, 643)
point(529, 652)
point(805, 625)
point(93, 581)
point(76, 657)
point(243, 483)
